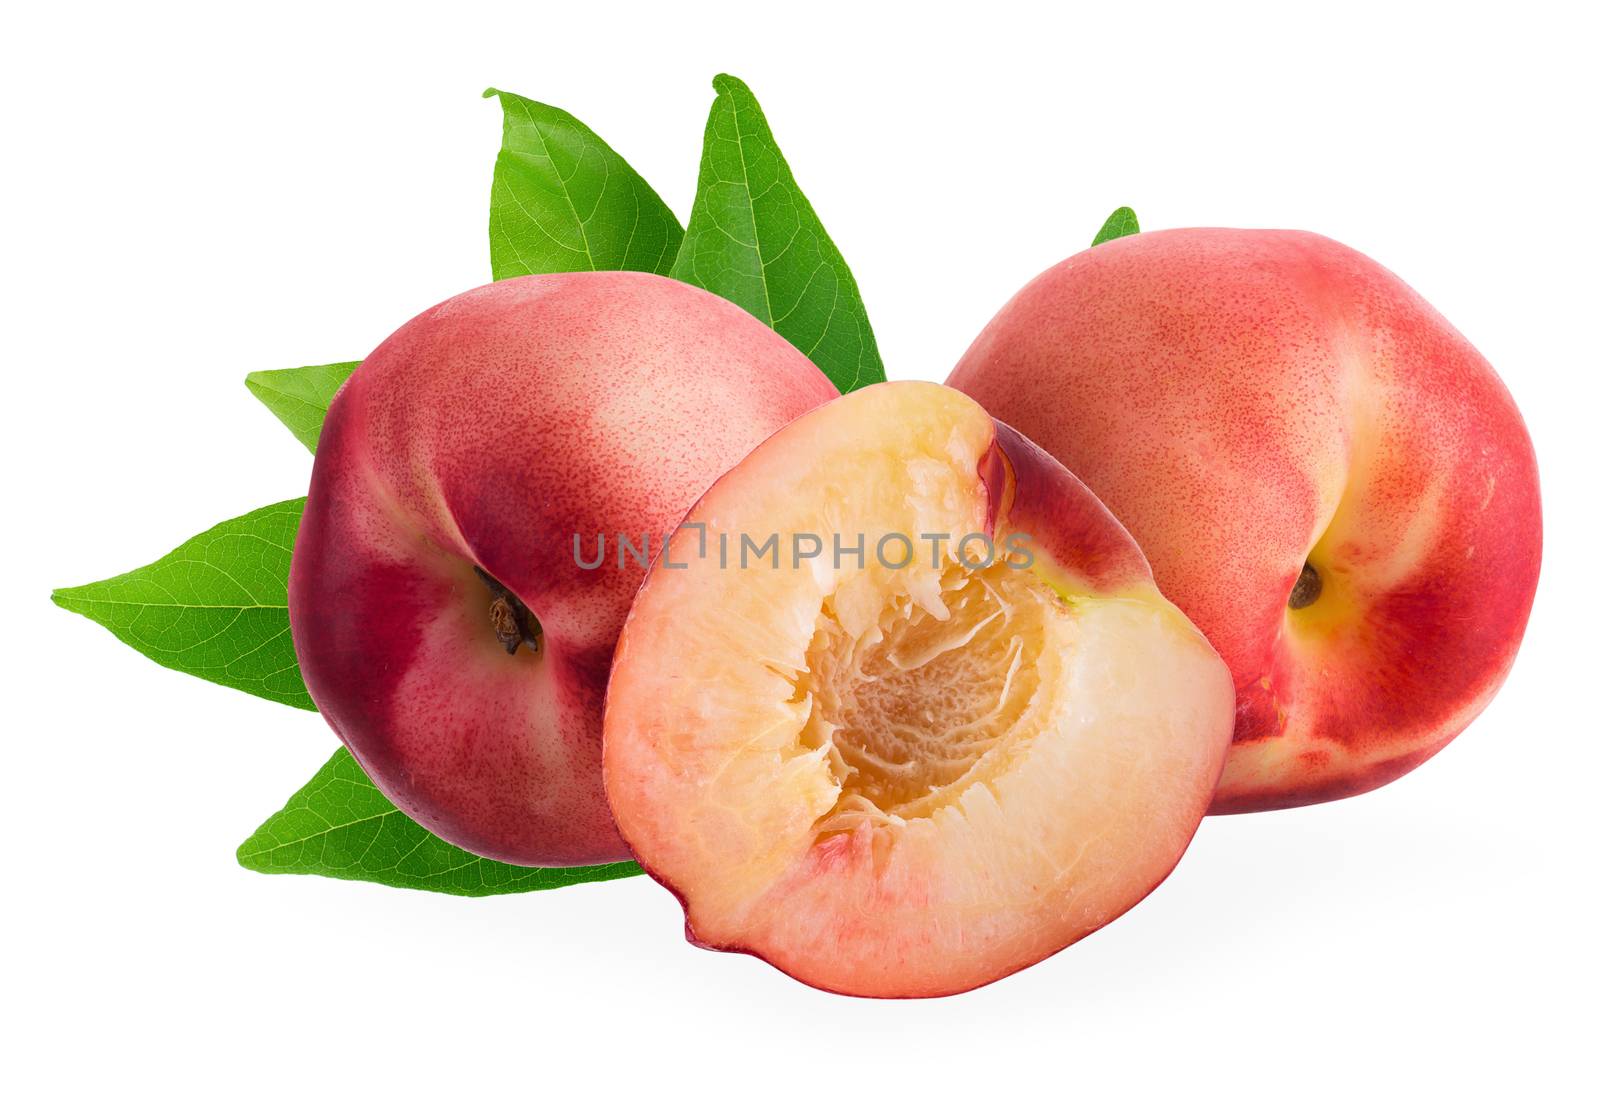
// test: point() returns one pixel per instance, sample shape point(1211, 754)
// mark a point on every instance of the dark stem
point(1306, 589)
point(513, 623)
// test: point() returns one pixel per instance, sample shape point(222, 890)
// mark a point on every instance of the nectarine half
point(901, 710)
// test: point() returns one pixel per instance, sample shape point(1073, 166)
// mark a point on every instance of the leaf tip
point(1122, 221)
point(724, 84)
point(490, 92)
point(71, 599)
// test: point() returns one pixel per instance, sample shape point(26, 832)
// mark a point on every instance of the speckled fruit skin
point(1247, 400)
point(486, 432)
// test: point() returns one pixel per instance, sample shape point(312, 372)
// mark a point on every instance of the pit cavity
point(930, 696)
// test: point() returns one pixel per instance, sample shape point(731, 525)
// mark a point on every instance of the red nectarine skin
point(1063, 518)
point(1247, 402)
point(910, 781)
point(485, 433)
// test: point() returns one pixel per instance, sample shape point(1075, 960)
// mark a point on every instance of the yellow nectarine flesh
point(915, 769)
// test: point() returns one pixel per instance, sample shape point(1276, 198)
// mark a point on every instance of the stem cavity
point(514, 625)
point(1306, 589)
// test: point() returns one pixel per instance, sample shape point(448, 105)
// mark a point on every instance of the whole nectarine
point(1326, 477)
point(901, 710)
point(455, 468)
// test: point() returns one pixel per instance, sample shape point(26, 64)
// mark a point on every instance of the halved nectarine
point(901, 711)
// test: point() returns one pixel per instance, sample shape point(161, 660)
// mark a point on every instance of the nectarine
point(1326, 477)
point(901, 711)
point(455, 468)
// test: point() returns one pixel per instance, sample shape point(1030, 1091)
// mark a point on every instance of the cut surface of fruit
point(941, 728)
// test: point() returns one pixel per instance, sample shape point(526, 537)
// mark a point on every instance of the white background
point(192, 193)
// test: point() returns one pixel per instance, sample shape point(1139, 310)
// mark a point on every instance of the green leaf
point(1120, 223)
point(563, 201)
point(300, 397)
point(753, 238)
point(217, 607)
point(341, 825)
